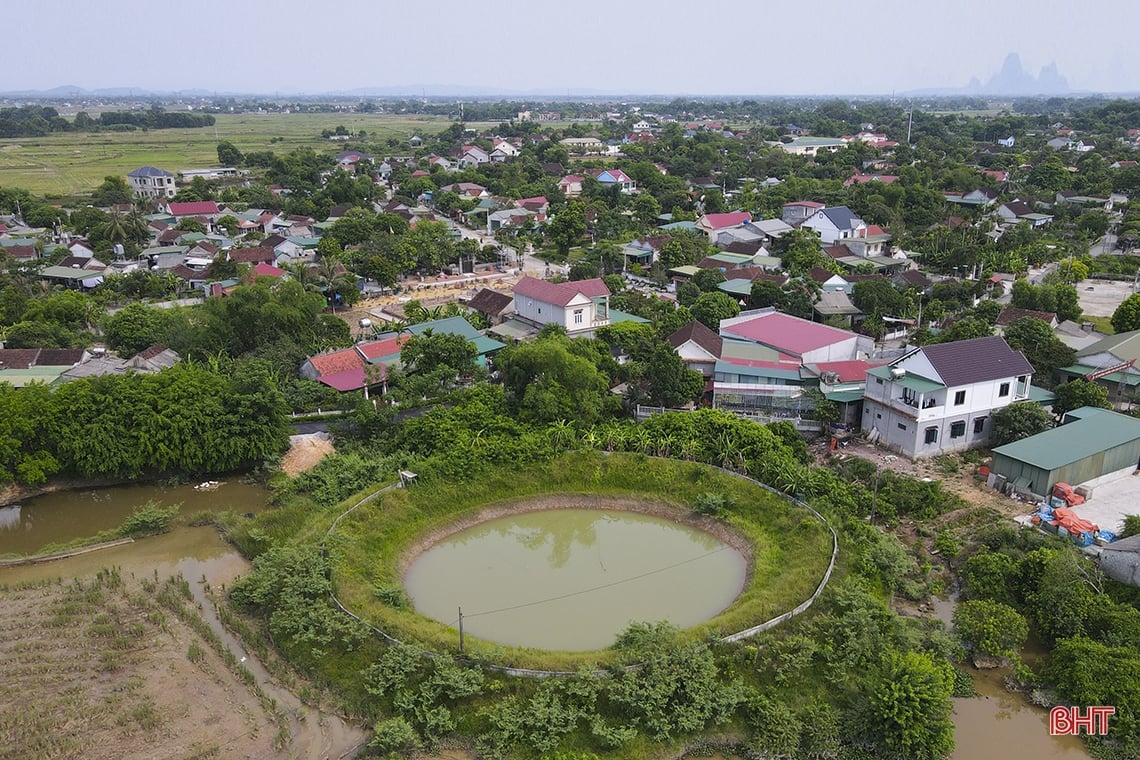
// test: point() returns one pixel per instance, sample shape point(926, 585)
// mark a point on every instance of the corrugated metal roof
point(1075, 440)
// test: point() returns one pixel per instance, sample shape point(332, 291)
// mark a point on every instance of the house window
point(878, 381)
point(577, 316)
point(931, 435)
point(979, 425)
point(901, 426)
point(878, 416)
point(1003, 390)
point(959, 398)
point(958, 429)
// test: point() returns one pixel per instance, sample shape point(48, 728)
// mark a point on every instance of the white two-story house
point(940, 398)
point(581, 306)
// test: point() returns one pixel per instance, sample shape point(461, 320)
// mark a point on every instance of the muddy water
point(999, 724)
point(573, 579)
point(66, 515)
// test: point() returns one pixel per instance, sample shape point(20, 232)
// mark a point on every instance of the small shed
point(1120, 560)
point(1092, 442)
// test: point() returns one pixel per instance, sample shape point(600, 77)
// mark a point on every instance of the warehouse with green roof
point(1092, 442)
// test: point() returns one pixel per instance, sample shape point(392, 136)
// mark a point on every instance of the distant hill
point(1011, 79)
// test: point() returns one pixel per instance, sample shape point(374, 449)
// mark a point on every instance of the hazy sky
point(614, 46)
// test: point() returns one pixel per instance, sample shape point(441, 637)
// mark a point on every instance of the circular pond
point(573, 579)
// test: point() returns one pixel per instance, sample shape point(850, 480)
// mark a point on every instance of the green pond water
point(573, 579)
point(54, 518)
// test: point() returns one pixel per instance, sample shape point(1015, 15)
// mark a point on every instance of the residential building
point(698, 346)
point(811, 146)
point(713, 224)
point(941, 398)
point(835, 224)
point(149, 182)
point(612, 177)
point(580, 306)
point(795, 212)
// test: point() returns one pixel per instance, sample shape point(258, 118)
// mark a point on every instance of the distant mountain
point(1011, 79)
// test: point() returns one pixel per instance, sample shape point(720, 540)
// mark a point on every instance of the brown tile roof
point(253, 255)
point(18, 358)
point(699, 334)
point(976, 361)
point(1010, 314)
point(59, 357)
point(490, 302)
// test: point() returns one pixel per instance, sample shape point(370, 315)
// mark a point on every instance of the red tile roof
point(1010, 314)
point(730, 219)
point(560, 294)
point(261, 269)
point(347, 380)
point(377, 349)
point(787, 333)
point(193, 208)
point(18, 358)
point(337, 361)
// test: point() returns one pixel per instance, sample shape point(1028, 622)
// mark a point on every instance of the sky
point(560, 47)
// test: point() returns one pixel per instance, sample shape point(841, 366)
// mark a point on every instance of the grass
point(790, 548)
point(76, 162)
point(1100, 324)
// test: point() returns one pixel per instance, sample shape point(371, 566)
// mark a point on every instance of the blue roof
point(841, 216)
point(149, 171)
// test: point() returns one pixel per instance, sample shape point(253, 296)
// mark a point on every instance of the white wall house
point(581, 306)
point(942, 398)
point(836, 224)
point(149, 182)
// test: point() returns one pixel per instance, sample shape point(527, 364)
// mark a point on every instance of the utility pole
point(874, 503)
point(461, 630)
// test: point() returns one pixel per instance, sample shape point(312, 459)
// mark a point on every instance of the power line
point(596, 588)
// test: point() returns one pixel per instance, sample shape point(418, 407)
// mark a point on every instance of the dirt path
point(305, 452)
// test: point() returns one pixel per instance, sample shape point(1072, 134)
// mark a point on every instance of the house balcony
point(917, 408)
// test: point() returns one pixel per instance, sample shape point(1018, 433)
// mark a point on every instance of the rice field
point(76, 162)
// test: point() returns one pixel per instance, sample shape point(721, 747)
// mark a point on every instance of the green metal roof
point(68, 273)
point(844, 397)
point(621, 316)
point(1094, 432)
point(1080, 370)
point(485, 345)
point(1124, 345)
point(909, 380)
point(1041, 396)
point(738, 286)
point(21, 378)
point(730, 258)
point(687, 226)
point(686, 271)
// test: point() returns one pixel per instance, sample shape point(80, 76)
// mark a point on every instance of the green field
point(76, 162)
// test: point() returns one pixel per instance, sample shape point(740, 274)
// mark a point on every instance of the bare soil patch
point(305, 452)
point(99, 668)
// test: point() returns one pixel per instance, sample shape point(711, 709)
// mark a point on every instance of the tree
point(113, 190)
point(428, 353)
point(548, 383)
point(711, 308)
point(688, 293)
point(1127, 315)
point(991, 628)
point(567, 227)
point(1041, 347)
point(878, 296)
point(1018, 421)
point(671, 382)
point(764, 293)
point(134, 328)
point(965, 329)
point(907, 712)
point(228, 154)
point(800, 252)
point(1077, 393)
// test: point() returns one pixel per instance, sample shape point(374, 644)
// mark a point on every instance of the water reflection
point(572, 578)
point(10, 517)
